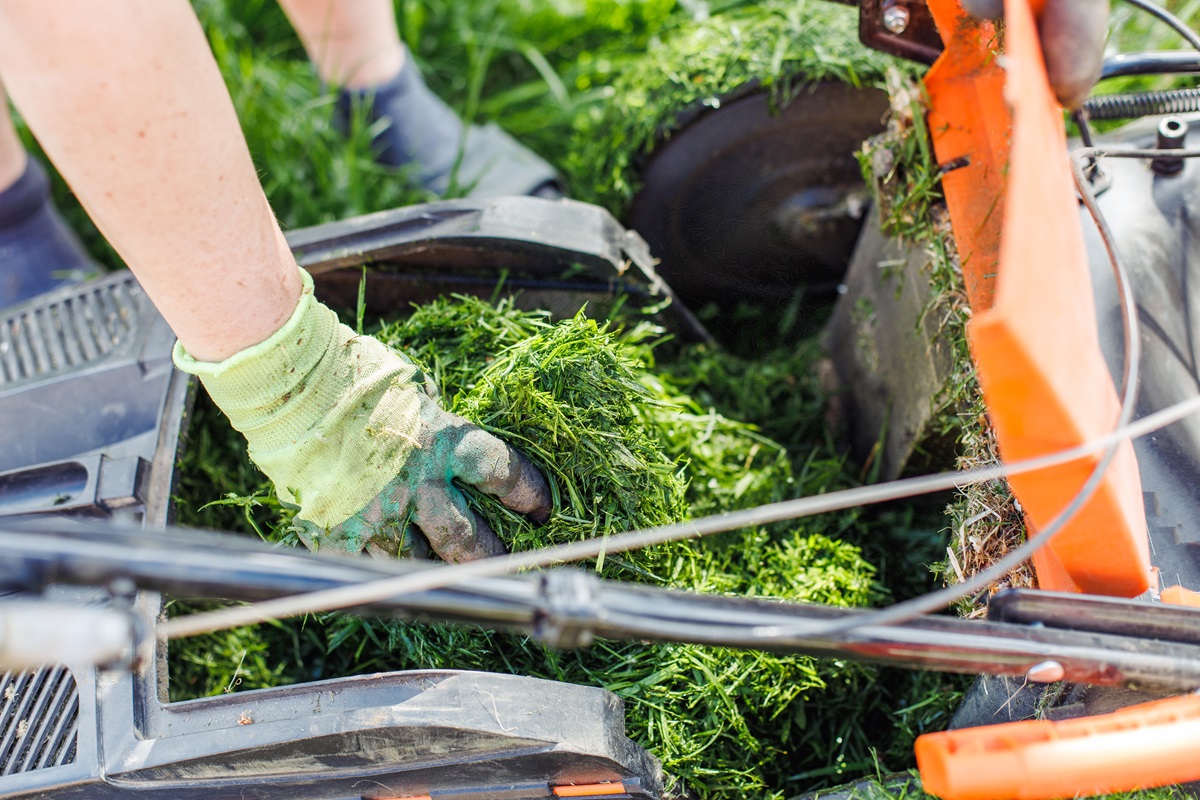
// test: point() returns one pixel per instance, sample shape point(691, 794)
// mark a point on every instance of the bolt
point(1046, 672)
point(1172, 135)
point(895, 17)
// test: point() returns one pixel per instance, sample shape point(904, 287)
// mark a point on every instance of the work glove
point(344, 427)
point(1073, 34)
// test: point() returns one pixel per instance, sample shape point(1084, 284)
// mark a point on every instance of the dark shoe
point(423, 134)
point(38, 252)
point(494, 164)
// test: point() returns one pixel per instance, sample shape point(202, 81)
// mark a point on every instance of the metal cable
point(452, 574)
point(1166, 62)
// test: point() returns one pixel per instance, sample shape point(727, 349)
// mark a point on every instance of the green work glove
point(344, 428)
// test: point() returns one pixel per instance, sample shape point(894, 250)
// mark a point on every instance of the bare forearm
point(126, 99)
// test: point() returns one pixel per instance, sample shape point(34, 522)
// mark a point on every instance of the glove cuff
point(312, 401)
point(253, 386)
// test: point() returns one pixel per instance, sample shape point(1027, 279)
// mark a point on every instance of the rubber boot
point(424, 135)
point(38, 252)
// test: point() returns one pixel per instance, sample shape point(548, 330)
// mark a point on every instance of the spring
point(1145, 104)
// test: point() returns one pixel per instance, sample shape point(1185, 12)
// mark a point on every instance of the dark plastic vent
point(67, 328)
point(39, 719)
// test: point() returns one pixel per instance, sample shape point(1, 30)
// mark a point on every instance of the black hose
point(1142, 104)
point(1169, 62)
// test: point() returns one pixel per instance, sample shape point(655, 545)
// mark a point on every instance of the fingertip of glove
point(484, 544)
point(531, 494)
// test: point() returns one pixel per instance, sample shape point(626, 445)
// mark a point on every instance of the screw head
point(895, 18)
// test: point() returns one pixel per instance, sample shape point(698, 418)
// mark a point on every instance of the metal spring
point(1143, 104)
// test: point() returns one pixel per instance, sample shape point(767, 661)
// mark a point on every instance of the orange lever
point(1152, 744)
point(1033, 331)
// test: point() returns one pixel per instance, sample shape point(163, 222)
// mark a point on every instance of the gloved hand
point(1073, 34)
point(344, 428)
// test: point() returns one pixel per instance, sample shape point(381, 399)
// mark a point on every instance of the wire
point(363, 594)
point(1166, 16)
point(1169, 62)
point(1100, 152)
point(1080, 117)
point(440, 577)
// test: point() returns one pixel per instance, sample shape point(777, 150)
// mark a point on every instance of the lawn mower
point(1063, 298)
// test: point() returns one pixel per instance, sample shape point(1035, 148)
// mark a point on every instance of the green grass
point(626, 446)
point(590, 85)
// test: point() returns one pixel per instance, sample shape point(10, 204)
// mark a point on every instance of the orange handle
point(1152, 744)
point(1179, 596)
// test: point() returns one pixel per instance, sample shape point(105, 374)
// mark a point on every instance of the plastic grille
point(39, 719)
point(68, 328)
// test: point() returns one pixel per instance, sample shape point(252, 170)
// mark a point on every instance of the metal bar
point(1171, 62)
point(569, 607)
point(1113, 615)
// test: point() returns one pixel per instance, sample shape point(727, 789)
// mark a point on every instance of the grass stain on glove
point(343, 426)
point(570, 395)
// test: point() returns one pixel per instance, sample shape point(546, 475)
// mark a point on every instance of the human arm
point(127, 101)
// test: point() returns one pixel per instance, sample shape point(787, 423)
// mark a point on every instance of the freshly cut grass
point(625, 448)
point(578, 398)
point(569, 397)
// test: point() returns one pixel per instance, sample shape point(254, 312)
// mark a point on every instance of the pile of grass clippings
point(579, 398)
point(569, 397)
point(625, 447)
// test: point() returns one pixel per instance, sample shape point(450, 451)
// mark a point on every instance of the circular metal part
point(1046, 672)
point(895, 17)
point(1172, 135)
point(748, 202)
point(1172, 131)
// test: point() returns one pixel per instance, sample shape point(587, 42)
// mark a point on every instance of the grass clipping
point(579, 399)
point(626, 446)
point(568, 396)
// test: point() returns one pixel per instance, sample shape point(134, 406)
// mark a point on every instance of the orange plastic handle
point(1152, 744)
point(589, 790)
point(1033, 331)
point(1179, 596)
